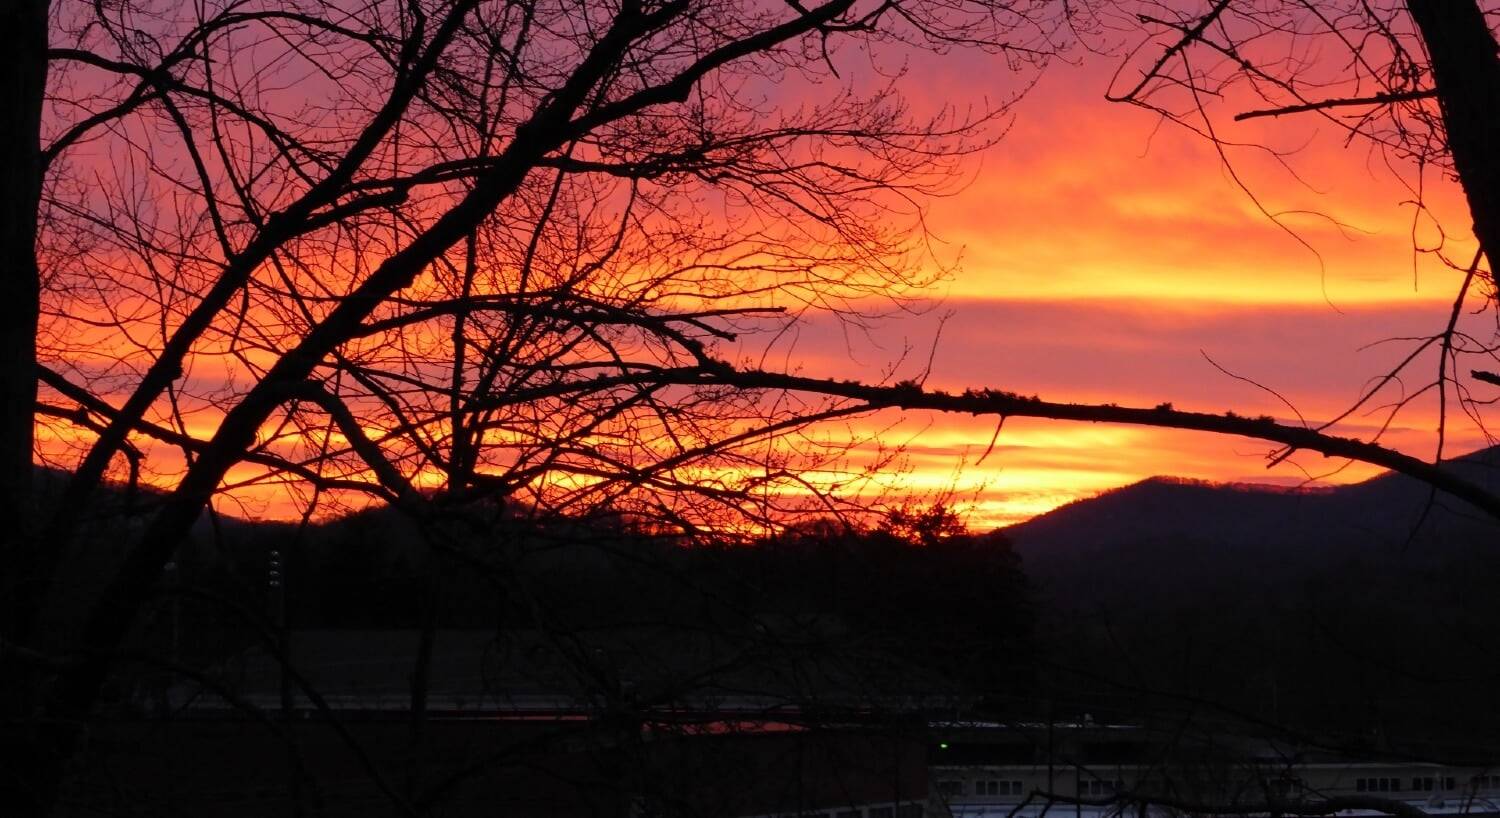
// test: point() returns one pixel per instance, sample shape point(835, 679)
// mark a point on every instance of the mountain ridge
point(1164, 532)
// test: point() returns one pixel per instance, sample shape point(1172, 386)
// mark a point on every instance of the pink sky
point(1098, 255)
point(1102, 257)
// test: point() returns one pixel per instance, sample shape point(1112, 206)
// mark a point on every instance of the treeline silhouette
point(913, 602)
point(1373, 646)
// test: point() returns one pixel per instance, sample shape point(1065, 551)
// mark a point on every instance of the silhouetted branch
point(1008, 404)
point(1374, 99)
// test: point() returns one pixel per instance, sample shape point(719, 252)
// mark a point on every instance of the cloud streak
point(1141, 353)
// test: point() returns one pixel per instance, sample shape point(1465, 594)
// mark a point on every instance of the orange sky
point(1101, 257)
point(1104, 256)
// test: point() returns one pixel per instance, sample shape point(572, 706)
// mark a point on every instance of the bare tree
point(1413, 82)
point(384, 247)
point(445, 251)
point(21, 182)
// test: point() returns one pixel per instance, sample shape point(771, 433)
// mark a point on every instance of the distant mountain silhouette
point(1354, 612)
point(1169, 534)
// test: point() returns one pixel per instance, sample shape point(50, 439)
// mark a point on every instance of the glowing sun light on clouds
point(1106, 257)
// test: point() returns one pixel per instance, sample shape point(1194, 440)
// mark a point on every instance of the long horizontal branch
point(1009, 404)
point(1343, 102)
point(910, 396)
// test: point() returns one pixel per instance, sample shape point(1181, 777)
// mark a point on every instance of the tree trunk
point(33, 769)
point(1466, 73)
point(23, 38)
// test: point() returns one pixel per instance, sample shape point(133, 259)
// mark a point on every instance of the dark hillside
point(1365, 611)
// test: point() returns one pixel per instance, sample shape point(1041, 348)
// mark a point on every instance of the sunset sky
point(1096, 254)
point(1105, 254)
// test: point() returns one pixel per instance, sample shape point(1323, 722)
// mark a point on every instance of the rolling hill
point(1167, 534)
point(1354, 612)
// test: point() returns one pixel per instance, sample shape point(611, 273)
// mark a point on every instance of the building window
point(992, 787)
point(1098, 788)
point(1379, 784)
point(1284, 787)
